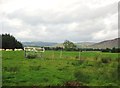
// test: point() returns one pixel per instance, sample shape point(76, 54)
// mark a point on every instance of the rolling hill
point(84, 44)
point(103, 44)
point(39, 43)
point(107, 44)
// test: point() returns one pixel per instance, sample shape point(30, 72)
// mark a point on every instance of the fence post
point(79, 55)
point(25, 53)
point(53, 55)
point(61, 54)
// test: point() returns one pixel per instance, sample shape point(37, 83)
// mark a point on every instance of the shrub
point(105, 60)
point(77, 57)
point(31, 56)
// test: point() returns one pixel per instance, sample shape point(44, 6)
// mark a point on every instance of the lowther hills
point(103, 44)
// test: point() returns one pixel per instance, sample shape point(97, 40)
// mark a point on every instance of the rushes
point(11, 69)
point(35, 68)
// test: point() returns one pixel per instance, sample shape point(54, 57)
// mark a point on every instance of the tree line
point(113, 50)
point(9, 42)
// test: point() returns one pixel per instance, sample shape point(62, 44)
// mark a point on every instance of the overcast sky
point(59, 20)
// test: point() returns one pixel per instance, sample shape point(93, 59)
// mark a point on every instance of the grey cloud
point(55, 25)
point(79, 14)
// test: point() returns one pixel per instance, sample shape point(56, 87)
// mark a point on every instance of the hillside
point(79, 45)
point(84, 44)
point(103, 44)
point(39, 43)
point(106, 44)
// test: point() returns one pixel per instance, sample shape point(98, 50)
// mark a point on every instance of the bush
point(77, 57)
point(31, 56)
point(105, 60)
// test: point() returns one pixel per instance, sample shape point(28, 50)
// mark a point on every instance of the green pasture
point(55, 68)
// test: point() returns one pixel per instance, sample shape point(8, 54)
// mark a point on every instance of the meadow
point(56, 69)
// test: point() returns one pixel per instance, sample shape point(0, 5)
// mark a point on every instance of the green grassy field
point(91, 69)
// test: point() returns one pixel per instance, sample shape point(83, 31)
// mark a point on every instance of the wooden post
point(79, 55)
point(25, 53)
point(41, 54)
point(61, 54)
point(53, 55)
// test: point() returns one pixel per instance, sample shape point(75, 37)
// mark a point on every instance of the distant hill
point(84, 44)
point(107, 44)
point(59, 45)
point(104, 44)
point(39, 43)
point(79, 45)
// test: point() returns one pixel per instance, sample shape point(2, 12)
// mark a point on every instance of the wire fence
point(55, 54)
